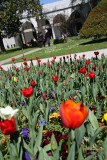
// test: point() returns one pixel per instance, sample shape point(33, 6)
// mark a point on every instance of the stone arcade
point(72, 12)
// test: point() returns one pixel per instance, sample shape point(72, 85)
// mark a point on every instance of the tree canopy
point(11, 12)
point(96, 22)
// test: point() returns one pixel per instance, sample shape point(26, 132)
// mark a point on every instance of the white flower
point(8, 112)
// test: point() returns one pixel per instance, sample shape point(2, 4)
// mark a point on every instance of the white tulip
point(8, 112)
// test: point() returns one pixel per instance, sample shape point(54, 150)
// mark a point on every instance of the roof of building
point(50, 7)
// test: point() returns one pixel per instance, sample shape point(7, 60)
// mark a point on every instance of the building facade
point(62, 17)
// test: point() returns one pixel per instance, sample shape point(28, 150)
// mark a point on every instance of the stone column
point(23, 38)
point(53, 31)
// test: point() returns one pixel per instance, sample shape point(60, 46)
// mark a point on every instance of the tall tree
point(96, 24)
point(11, 12)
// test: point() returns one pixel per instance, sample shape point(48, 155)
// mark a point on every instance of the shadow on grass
point(11, 50)
point(14, 50)
point(94, 41)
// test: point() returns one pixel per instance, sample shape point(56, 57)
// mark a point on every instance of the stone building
point(61, 17)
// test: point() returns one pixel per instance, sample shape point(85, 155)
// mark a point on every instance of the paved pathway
point(20, 55)
point(88, 55)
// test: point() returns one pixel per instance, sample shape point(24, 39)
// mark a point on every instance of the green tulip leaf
point(28, 149)
point(54, 144)
point(43, 155)
point(93, 120)
point(1, 156)
point(90, 157)
point(80, 155)
point(71, 155)
point(81, 132)
point(92, 140)
point(105, 147)
point(47, 147)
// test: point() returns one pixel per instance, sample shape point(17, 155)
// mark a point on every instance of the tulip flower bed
point(55, 110)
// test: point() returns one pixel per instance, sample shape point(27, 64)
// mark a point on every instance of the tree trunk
point(1, 44)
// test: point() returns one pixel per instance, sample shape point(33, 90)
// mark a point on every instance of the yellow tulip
point(15, 79)
point(104, 117)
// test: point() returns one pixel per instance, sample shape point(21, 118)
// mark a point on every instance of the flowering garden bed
point(55, 110)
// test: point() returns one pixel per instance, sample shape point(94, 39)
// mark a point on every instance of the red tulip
point(1, 67)
point(27, 68)
point(44, 95)
point(13, 59)
point(73, 114)
point(44, 63)
point(25, 63)
point(27, 92)
point(83, 55)
point(94, 68)
point(55, 78)
point(17, 69)
point(58, 67)
point(75, 55)
point(33, 83)
point(24, 58)
point(8, 126)
point(78, 60)
point(53, 61)
point(91, 74)
point(60, 58)
point(96, 53)
point(49, 65)
point(54, 57)
point(39, 73)
point(37, 58)
point(87, 62)
point(82, 70)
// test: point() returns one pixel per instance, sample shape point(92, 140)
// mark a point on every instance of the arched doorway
point(75, 22)
point(28, 31)
point(60, 26)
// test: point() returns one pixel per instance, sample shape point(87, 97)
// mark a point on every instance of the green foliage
point(9, 17)
point(11, 14)
point(96, 24)
point(35, 44)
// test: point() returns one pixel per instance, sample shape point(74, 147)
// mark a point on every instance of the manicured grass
point(73, 45)
point(13, 52)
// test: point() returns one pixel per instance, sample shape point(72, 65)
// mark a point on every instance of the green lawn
point(13, 52)
point(74, 45)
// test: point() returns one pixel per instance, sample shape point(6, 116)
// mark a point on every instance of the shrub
point(96, 24)
point(57, 41)
point(35, 44)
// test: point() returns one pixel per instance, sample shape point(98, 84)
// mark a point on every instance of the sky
point(47, 1)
